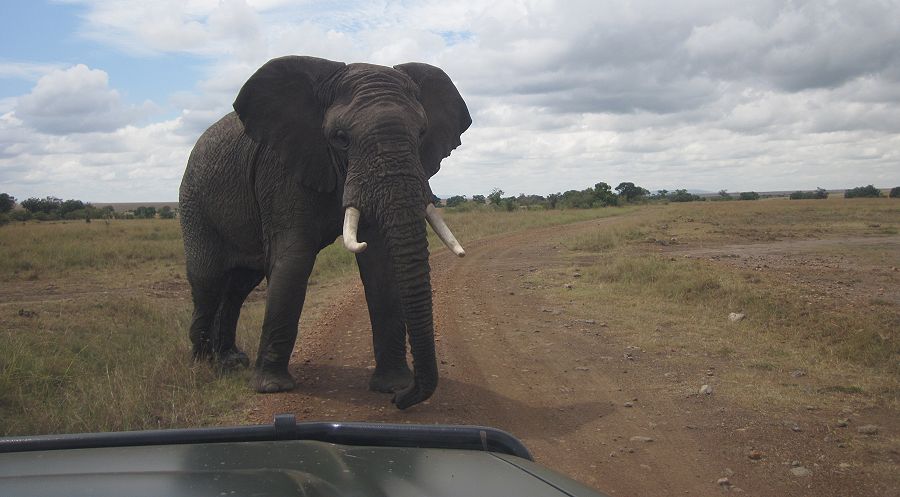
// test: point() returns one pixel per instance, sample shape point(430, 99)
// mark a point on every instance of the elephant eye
point(340, 139)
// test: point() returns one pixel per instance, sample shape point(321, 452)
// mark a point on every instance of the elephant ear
point(448, 116)
point(282, 106)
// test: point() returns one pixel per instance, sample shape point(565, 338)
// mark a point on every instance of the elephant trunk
point(405, 237)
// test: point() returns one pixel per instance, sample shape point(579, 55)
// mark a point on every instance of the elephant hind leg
point(240, 282)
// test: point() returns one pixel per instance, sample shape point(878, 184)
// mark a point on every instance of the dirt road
point(587, 405)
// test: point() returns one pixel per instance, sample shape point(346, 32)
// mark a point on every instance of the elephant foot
point(268, 382)
point(391, 381)
point(233, 359)
point(201, 352)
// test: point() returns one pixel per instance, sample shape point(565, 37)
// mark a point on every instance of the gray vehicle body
point(163, 463)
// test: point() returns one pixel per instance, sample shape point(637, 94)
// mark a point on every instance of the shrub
point(455, 201)
point(683, 196)
point(749, 196)
point(166, 213)
point(867, 191)
point(20, 215)
point(895, 192)
point(819, 194)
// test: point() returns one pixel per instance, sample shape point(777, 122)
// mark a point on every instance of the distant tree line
point(54, 209)
point(599, 195)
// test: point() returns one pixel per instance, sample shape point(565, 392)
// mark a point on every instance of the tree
point(895, 192)
point(819, 194)
point(145, 212)
point(631, 192)
point(71, 206)
point(604, 196)
point(166, 213)
point(496, 196)
point(46, 205)
point(7, 202)
point(749, 196)
point(456, 200)
point(867, 191)
point(553, 199)
point(660, 195)
point(683, 196)
point(478, 199)
point(575, 199)
point(724, 195)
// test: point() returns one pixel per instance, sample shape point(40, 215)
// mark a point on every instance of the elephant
point(314, 150)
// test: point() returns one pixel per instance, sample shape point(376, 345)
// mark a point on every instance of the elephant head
point(374, 135)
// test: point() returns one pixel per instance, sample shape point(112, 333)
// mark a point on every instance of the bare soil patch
point(863, 270)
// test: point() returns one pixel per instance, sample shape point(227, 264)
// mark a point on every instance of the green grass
point(119, 364)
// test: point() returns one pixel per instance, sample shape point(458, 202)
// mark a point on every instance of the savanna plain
point(660, 349)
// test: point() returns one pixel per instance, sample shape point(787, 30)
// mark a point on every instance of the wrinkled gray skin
point(265, 190)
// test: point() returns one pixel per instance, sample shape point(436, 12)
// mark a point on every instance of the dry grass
point(658, 298)
point(101, 341)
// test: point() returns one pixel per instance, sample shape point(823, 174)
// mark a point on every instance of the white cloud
point(76, 100)
point(701, 94)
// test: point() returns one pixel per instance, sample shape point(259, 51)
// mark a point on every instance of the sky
point(103, 100)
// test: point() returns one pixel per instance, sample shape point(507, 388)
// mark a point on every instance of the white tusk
point(443, 231)
point(351, 224)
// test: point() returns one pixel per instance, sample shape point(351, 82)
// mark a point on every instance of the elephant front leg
point(392, 373)
point(284, 303)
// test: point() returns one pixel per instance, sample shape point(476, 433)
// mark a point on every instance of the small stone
point(723, 482)
point(795, 463)
point(706, 390)
point(844, 465)
point(843, 423)
point(755, 455)
point(800, 471)
point(612, 454)
point(628, 404)
point(867, 429)
point(641, 439)
point(798, 373)
point(568, 286)
point(796, 428)
point(734, 317)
